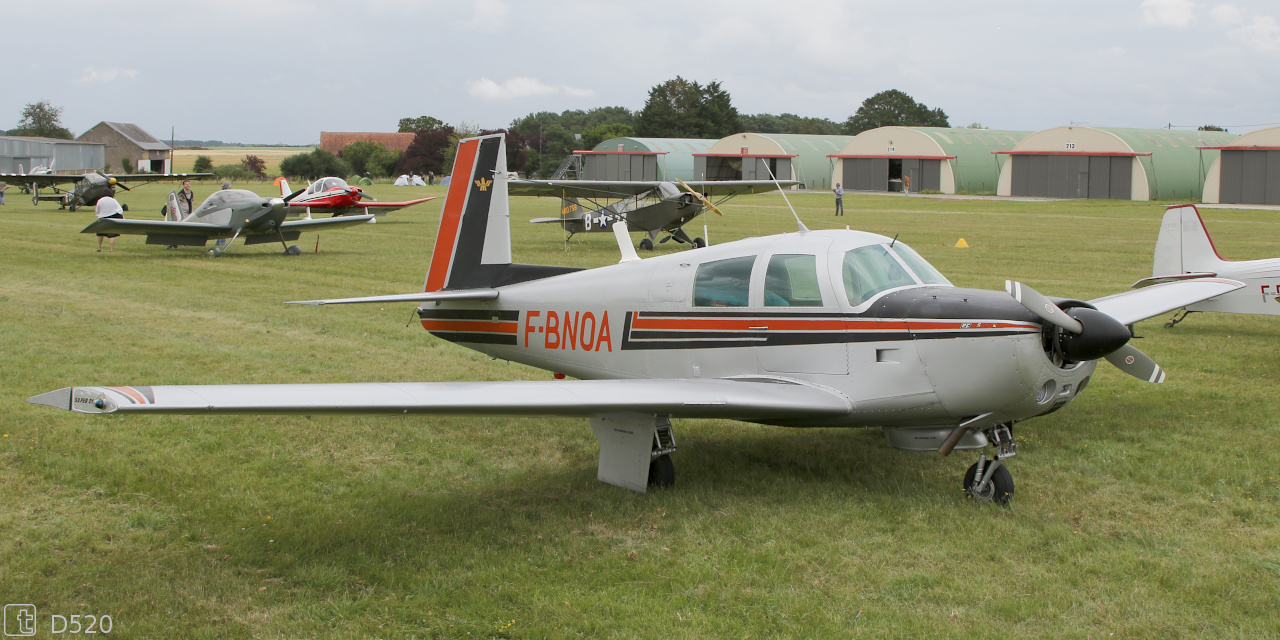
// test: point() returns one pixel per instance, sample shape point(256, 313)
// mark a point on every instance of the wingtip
point(58, 399)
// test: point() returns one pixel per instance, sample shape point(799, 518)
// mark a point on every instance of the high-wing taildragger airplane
point(226, 214)
point(1184, 251)
point(652, 206)
point(810, 329)
point(90, 187)
point(334, 195)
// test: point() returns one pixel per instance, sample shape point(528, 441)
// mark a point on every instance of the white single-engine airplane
point(810, 329)
point(1184, 251)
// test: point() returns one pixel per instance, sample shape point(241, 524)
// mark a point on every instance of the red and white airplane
point(334, 195)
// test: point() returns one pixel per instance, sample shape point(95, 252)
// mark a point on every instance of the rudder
point(1184, 245)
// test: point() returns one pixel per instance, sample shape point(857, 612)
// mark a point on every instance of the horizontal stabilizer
point(760, 399)
point(422, 296)
point(1146, 282)
point(1139, 304)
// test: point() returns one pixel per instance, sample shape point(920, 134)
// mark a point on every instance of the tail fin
point(474, 241)
point(1184, 245)
point(285, 191)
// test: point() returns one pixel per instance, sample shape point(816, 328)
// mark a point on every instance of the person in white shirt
point(839, 199)
point(108, 207)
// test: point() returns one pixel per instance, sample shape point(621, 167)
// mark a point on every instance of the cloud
point(1168, 13)
point(520, 87)
point(1258, 31)
point(487, 15)
point(107, 75)
point(1114, 51)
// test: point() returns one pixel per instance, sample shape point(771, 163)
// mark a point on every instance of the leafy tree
point(315, 164)
point(977, 125)
point(232, 172)
point(1212, 127)
point(681, 108)
point(203, 164)
point(255, 165)
point(788, 123)
point(550, 136)
point(517, 154)
point(357, 154)
point(42, 120)
point(597, 134)
point(381, 162)
point(420, 123)
point(893, 107)
point(126, 166)
point(426, 152)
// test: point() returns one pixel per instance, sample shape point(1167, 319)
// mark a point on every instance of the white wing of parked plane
point(1139, 304)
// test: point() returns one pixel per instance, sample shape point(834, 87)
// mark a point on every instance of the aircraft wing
point(325, 223)
point(381, 207)
point(623, 188)
point(146, 227)
point(156, 177)
point(757, 399)
point(730, 188)
point(1139, 304)
point(41, 179)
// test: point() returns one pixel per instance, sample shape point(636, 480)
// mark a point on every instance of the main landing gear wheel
point(646, 245)
point(124, 207)
point(293, 250)
point(662, 473)
point(699, 243)
point(72, 208)
point(997, 489)
point(217, 251)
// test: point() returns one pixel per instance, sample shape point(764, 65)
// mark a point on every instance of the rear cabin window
point(792, 281)
point(870, 270)
point(723, 283)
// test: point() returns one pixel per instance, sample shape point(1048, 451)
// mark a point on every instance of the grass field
point(184, 159)
point(1142, 511)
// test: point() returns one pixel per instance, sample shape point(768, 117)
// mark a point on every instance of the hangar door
point(1250, 177)
point(876, 174)
point(1073, 176)
point(621, 166)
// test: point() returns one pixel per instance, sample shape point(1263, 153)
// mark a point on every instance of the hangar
point(936, 159)
point(128, 144)
point(642, 158)
point(752, 156)
point(1247, 170)
point(1106, 162)
point(18, 154)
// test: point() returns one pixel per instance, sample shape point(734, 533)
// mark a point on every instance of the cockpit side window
point(792, 281)
point(723, 283)
point(869, 270)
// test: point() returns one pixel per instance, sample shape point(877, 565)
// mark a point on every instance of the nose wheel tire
point(217, 251)
point(998, 489)
point(662, 473)
point(293, 250)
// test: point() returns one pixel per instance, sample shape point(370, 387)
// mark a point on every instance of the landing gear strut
point(989, 480)
point(1177, 318)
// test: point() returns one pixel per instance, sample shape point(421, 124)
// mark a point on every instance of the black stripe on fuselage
point(476, 337)
point(502, 315)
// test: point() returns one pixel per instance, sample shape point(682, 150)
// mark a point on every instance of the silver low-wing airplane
point(651, 206)
point(229, 214)
point(1184, 251)
point(90, 187)
point(830, 328)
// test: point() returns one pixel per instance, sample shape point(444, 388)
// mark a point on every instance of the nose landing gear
point(989, 480)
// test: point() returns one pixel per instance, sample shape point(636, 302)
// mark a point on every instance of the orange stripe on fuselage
point(451, 219)
point(470, 326)
point(133, 395)
point(815, 324)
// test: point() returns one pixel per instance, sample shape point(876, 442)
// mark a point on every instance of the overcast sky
point(281, 71)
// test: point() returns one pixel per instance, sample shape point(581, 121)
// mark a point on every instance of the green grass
point(1141, 510)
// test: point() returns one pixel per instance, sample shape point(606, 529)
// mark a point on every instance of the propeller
point(701, 198)
point(360, 193)
point(1087, 334)
point(294, 194)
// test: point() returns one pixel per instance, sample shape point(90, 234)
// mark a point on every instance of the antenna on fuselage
point(895, 239)
point(785, 199)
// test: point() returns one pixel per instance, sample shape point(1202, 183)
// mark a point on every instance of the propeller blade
point(294, 194)
point(122, 186)
point(365, 196)
point(701, 198)
point(1136, 363)
point(1043, 307)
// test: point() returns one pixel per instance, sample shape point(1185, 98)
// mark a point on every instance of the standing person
point(186, 200)
point(108, 207)
point(839, 199)
point(3, 186)
point(906, 185)
point(431, 180)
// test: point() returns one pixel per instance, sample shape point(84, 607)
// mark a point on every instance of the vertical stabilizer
point(473, 245)
point(1184, 245)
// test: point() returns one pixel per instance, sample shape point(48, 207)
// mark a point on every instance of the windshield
point(220, 199)
point(327, 183)
point(871, 269)
point(924, 271)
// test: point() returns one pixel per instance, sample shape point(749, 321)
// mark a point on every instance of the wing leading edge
point(1139, 304)
point(756, 399)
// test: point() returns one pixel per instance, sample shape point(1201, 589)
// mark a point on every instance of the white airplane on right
point(1184, 251)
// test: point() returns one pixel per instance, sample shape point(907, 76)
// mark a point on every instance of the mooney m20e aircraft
point(334, 195)
point(654, 207)
point(229, 214)
point(1184, 251)
point(90, 187)
point(810, 329)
